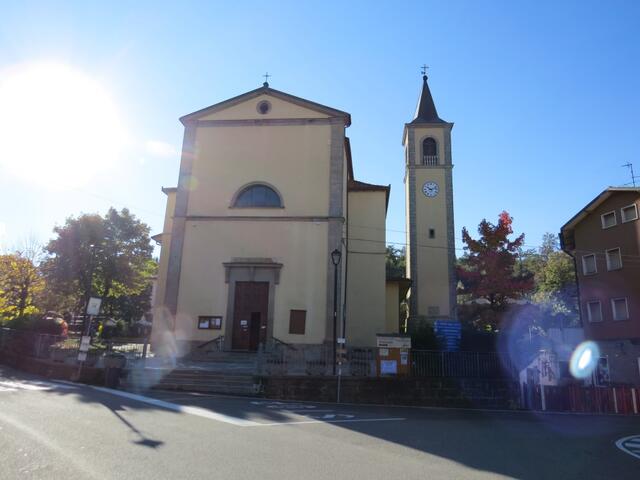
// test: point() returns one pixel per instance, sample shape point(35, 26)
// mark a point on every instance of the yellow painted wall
point(279, 109)
point(160, 321)
point(366, 313)
point(293, 159)
point(392, 307)
point(299, 246)
point(431, 212)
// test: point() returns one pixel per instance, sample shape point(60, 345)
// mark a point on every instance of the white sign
point(93, 307)
point(388, 367)
point(548, 368)
point(394, 342)
point(342, 340)
point(82, 356)
point(384, 352)
point(84, 343)
point(404, 358)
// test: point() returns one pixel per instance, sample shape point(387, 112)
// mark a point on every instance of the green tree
point(20, 284)
point(108, 256)
point(396, 262)
point(556, 289)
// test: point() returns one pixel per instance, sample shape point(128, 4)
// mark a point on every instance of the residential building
point(604, 240)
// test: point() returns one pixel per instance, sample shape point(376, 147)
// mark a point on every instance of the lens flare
point(584, 360)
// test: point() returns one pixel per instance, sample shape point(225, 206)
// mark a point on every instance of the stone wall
point(59, 371)
point(460, 393)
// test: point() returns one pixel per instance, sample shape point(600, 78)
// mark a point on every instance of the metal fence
point(316, 361)
point(622, 399)
point(428, 363)
point(65, 349)
point(362, 362)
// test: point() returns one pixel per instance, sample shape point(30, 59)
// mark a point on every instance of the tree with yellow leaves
point(20, 284)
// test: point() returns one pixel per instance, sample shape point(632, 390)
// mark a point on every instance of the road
point(51, 430)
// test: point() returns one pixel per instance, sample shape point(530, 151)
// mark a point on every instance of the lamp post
point(336, 255)
point(87, 324)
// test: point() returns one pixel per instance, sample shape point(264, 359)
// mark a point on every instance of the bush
point(25, 322)
point(424, 338)
point(52, 323)
point(122, 329)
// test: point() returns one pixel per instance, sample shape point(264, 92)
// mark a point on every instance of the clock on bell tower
point(429, 214)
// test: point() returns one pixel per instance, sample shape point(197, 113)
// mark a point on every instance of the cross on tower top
point(266, 79)
point(424, 70)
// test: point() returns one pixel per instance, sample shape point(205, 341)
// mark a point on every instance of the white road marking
point(630, 445)
point(332, 416)
point(285, 405)
point(240, 422)
point(304, 412)
point(330, 421)
point(35, 385)
point(200, 412)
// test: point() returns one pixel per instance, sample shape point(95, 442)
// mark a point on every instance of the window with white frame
point(589, 264)
point(629, 213)
point(608, 219)
point(620, 308)
point(594, 311)
point(614, 259)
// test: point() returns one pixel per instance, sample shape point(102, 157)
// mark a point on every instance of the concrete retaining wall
point(59, 371)
point(461, 393)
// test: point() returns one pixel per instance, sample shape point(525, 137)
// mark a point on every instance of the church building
point(269, 238)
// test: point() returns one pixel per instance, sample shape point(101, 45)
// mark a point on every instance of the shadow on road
point(518, 445)
point(87, 395)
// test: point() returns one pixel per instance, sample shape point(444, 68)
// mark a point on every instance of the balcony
point(430, 160)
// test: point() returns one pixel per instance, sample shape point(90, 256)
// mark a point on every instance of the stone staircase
point(208, 382)
point(223, 372)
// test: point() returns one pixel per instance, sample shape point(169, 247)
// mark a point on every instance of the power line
point(386, 242)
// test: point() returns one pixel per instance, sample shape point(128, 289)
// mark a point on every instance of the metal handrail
point(219, 338)
point(288, 345)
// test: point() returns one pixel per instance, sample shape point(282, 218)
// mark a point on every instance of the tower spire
point(426, 111)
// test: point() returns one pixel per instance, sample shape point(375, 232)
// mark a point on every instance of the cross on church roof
point(424, 70)
point(266, 79)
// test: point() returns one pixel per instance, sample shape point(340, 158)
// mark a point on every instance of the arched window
point(429, 151)
point(257, 195)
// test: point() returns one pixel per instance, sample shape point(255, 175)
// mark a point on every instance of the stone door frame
point(250, 270)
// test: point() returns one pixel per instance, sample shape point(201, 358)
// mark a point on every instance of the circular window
point(264, 107)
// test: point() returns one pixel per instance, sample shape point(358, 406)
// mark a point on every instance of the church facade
point(268, 237)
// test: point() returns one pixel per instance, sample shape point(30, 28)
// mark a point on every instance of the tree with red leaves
point(487, 269)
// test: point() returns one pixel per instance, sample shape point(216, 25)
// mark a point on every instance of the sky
point(544, 96)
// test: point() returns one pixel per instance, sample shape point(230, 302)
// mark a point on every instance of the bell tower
point(429, 214)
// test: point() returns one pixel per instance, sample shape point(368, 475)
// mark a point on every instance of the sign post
point(341, 354)
point(93, 309)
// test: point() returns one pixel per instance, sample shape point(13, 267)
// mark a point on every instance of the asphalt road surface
point(52, 430)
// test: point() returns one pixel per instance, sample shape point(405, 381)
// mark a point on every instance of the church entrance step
point(193, 380)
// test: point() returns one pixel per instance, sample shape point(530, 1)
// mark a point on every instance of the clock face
point(430, 189)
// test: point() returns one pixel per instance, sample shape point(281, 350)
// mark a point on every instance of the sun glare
point(58, 126)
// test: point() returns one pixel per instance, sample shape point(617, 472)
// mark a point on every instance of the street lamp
point(87, 324)
point(336, 255)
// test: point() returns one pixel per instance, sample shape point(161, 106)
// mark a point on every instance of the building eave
point(266, 90)
point(448, 125)
point(357, 186)
point(567, 229)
